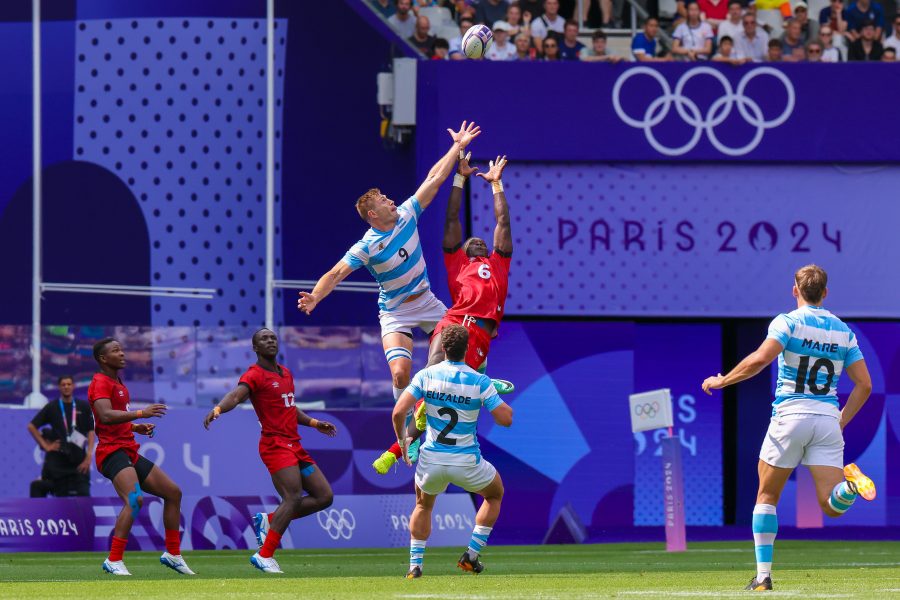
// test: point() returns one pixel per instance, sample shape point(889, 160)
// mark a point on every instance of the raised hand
point(307, 302)
point(463, 167)
point(467, 132)
point(495, 171)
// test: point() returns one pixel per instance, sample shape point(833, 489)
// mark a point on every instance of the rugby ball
point(476, 41)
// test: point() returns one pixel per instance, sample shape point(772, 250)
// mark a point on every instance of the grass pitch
point(711, 570)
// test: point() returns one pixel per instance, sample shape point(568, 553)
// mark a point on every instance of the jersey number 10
point(822, 363)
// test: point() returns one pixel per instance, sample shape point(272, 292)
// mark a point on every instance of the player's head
point(811, 284)
point(454, 340)
point(475, 247)
point(265, 343)
point(376, 208)
point(66, 385)
point(108, 353)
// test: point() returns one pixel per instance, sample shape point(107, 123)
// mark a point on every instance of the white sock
point(479, 540)
point(416, 552)
point(397, 392)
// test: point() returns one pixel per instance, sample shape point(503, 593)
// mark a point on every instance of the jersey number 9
point(403, 253)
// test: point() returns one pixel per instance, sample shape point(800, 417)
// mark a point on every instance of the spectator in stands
point(597, 52)
point(421, 39)
point(834, 15)
point(403, 21)
point(774, 51)
point(713, 12)
point(569, 46)
point(889, 55)
point(770, 14)
point(517, 22)
point(490, 11)
point(809, 29)
point(524, 49)
point(791, 42)
point(814, 51)
point(551, 49)
point(502, 48)
point(599, 13)
point(535, 8)
point(550, 24)
point(867, 47)
point(441, 49)
point(751, 42)
point(385, 8)
point(727, 54)
point(732, 26)
point(68, 443)
point(693, 38)
point(894, 40)
point(681, 11)
point(830, 52)
point(643, 46)
point(859, 13)
point(465, 23)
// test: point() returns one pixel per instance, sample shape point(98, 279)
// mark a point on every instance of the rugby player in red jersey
point(118, 459)
point(270, 387)
point(478, 284)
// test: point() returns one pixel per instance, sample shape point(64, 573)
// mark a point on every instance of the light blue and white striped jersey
point(817, 347)
point(394, 258)
point(454, 394)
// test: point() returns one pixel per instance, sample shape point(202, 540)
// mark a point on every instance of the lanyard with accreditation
point(72, 435)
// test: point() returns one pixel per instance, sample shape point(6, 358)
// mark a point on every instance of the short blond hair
point(811, 280)
point(364, 203)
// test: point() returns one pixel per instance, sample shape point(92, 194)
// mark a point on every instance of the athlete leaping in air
point(478, 284)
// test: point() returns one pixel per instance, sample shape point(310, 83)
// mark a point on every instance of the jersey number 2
point(803, 367)
point(288, 399)
point(454, 419)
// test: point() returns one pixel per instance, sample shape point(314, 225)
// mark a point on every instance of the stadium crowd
point(733, 31)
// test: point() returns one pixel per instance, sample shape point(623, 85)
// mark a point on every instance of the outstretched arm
point(503, 230)
point(240, 393)
point(326, 284)
point(747, 368)
point(452, 224)
point(107, 415)
point(442, 168)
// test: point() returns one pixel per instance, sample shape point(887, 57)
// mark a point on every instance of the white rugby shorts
point(423, 312)
point(433, 479)
point(803, 438)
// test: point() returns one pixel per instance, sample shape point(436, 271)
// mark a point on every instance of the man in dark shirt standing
point(69, 444)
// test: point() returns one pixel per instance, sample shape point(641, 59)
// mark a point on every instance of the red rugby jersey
point(477, 285)
point(111, 437)
point(272, 396)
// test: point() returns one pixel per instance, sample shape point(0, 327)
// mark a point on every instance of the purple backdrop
point(679, 111)
point(662, 240)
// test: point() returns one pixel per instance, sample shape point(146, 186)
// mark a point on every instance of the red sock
point(273, 538)
point(271, 516)
point(173, 542)
point(395, 450)
point(117, 548)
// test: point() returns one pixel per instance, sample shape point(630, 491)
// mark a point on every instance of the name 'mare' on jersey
point(817, 347)
point(272, 396)
point(453, 394)
point(478, 285)
point(394, 258)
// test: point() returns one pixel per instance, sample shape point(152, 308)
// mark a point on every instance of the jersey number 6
point(484, 271)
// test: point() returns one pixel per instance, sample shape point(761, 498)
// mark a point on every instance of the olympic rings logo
point(646, 411)
point(337, 524)
point(690, 113)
